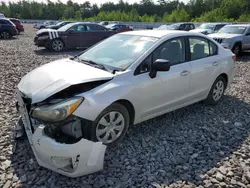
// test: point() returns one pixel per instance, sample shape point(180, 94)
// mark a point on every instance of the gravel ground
point(197, 146)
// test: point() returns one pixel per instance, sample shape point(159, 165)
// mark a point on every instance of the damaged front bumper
point(73, 160)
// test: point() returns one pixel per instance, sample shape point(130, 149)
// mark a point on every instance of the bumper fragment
point(72, 160)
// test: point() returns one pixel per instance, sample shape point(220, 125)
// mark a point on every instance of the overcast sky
point(93, 1)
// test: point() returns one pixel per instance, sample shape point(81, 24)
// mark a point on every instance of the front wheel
point(56, 45)
point(5, 35)
point(236, 49)
point(216, 91)
point(111, 125)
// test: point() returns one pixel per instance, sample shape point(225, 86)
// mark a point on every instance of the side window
point(182, 27)
point(218, 27)
point(2, 22)
point(192, 26)
point(213, 49)
point(77, 28)
point(94, 28)
point(187, 27)
point(199, 48)
point(171, 50)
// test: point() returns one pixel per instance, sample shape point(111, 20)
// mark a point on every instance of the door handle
point(184, 73)
point(215, 63)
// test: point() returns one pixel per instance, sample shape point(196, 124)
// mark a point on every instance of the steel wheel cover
point(110, 127)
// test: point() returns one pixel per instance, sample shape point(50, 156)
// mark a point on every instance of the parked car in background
point(58, 25)
point(178, 26)
point(2, 15)
point(73, 35)
point(209, 28)
point(7, 29)
point(18, 24)
point(104, 23)
point(234, 37)
point(44, 24)
point(119, 27)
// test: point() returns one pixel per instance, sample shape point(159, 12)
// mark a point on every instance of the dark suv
point(181, 26)
point(7, 29)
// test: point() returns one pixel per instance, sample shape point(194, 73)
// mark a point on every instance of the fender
point(97, 100)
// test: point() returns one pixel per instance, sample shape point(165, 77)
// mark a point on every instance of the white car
point(71, 107)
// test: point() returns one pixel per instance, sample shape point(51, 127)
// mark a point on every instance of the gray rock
point(125, 177)
point(6, 164)
point(7, 184)
point(23, 178)
point(219, 176)
point(223, 170)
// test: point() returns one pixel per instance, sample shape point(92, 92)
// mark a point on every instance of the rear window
point(7, 22)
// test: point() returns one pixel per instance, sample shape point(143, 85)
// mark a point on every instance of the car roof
point(158, 33)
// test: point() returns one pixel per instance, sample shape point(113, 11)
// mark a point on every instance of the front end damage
point(61, 146)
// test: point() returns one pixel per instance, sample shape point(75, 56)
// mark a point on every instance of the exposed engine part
point(73, 129)
point(76, 89)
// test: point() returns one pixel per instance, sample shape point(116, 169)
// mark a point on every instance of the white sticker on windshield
point(148, 39)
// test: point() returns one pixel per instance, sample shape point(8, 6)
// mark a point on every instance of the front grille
point(218, 40)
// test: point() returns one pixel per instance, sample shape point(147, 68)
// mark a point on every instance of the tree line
point(144, 11)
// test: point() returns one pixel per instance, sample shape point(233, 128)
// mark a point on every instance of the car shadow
point(244, 56)
point(181, 145)
point(45, 52)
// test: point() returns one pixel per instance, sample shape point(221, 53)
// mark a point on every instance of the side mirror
point(247, 34)
point(159, 65)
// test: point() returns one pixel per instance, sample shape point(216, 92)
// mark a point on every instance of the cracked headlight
point(227, 40)
point(56, 112)
point(43, 37)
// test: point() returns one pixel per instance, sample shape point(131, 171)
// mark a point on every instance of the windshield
point(232, 29)
point(66, 27)
point(110, 26)
point(119, 51)
point(206, 26)
point(173, 26)
point(59, 23)
point(162, 27)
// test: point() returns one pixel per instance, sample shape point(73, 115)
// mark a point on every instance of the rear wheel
point(56, 45)
point(216, 91)
point(237, 49)
point(111, 125)
point(5, 35)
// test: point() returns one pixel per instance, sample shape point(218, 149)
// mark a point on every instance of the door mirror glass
point(248, 33)
point(159, 65)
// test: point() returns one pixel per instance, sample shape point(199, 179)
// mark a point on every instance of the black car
point(181, 26)
point(73, 35)
point(7, 29)
point(58, 25)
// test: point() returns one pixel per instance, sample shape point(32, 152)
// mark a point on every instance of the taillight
point(234, 57)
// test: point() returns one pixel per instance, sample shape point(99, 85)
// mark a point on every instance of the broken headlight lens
point(58, 111)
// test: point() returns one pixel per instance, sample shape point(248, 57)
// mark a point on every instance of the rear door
point(246, 40)
point(95, 33)
point(74, 36)
point(205, 63)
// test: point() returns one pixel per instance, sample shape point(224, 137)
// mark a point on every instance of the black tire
point(237, 49)
point(5, 35)
point(211, 99)
point(55, 42)
point(92, 127)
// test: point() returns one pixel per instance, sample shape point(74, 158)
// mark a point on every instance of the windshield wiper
point(92, 63)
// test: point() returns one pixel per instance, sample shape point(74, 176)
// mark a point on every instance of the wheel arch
point(225, 76)
point(130, 107)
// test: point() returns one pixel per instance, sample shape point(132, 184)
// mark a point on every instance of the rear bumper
point(72, 160)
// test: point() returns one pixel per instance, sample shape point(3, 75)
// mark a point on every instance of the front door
point(74, 36)
point(169, 90)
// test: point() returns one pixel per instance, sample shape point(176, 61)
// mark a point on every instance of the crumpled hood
point(45, 30)
point(223, 35)
point(53, 77)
